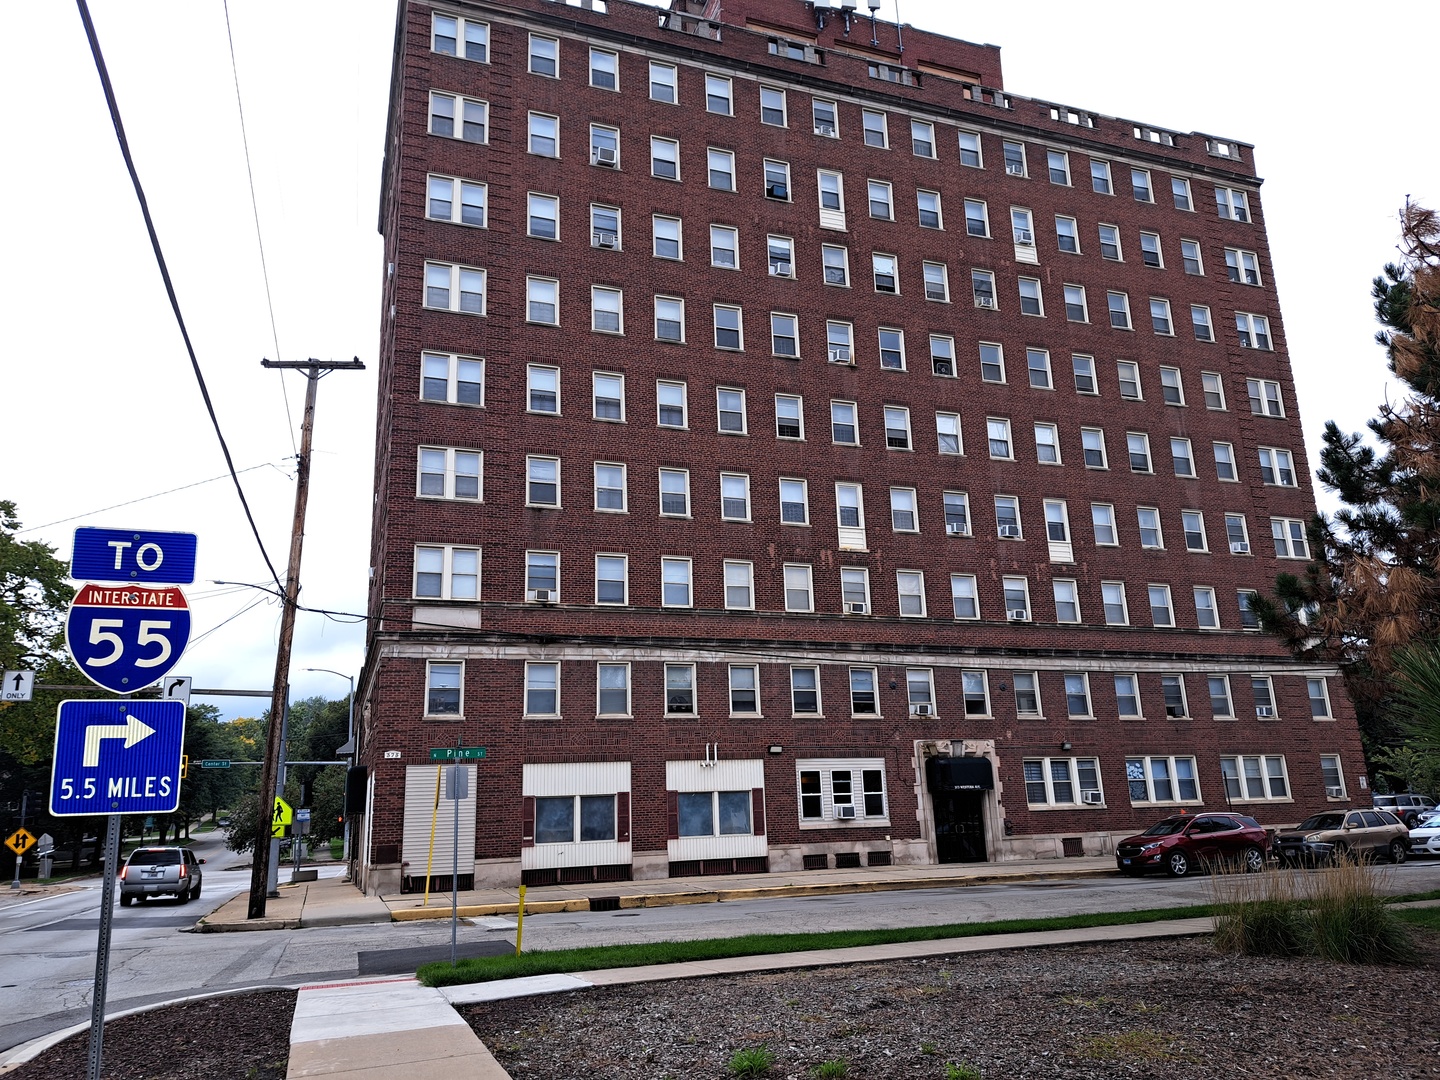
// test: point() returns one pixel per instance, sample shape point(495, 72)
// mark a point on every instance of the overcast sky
point(97, 403)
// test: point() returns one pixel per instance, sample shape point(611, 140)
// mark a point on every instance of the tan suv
point(1337, 834)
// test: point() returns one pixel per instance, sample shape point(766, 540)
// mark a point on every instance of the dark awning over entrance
point(960, 774)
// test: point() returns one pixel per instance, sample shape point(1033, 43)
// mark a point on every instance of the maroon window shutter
point(757, 810)
point(527, 823)
point(622, 816)
point(672, 799)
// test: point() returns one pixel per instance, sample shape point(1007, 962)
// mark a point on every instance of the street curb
point(777, 892)
point(19, 1055)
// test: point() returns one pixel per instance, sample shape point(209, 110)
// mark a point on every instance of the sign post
point(457, 787)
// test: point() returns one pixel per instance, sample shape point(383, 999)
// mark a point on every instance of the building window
point(461, 202)
point(1058, 163)
point(719, 95)
point(1119, 305)
point(876, 130)
point(1110, 243)
point(1007, 517)
point(1084, 369)
point(1162, 779)
point(982, 285)
point(447, 32)
point(1100, 178)
point(789, 416)
point(1031, 302)
point(542, 301)
point(777, 181)
point(1255, 778)
point(794, 502)
point(730, 406)
point(942, 355)
point(739, 585)
point(448, 473)
point(1193, 524)
point(1160, 317)
point(679, 689)
point(606, 310)
point(1225, 461)
point(1200, 322)
point(947, 433)
point(824, 113)
point(957, 513)
point(805, 691)
point(970, 152)
point(1236, 535)
point(928, 203)
point(922, 139)
point(670, 404)
point(669, 318)
point(610, 487)
point(1319, 695)
point(1190, 257)
point(612, 689)
point(780, 250)
point(772, 106)
point(544, 135)
point(886, 270)
point(1128, 374)
point(976, 693)
point(721, 164)
point(998, 430)
point(674, 493)
point(1180, 192)
point(977, 218)
point(863, 699)
point(456, 380)
point(543, 389)
point(1017, 599)
point(1151, 538)
point(1207, 617)
point(1150, 250)
point(1264, 694)
point(734, 497)
point(1242, 267)
point(1102, 515)
point(1138, 445)
point(544, 56)
point(855, 590)
point(1067, 602)
point(729, 332)
point(1220, 704)
point(881, 200)
point(666, 237)
point(1076, 309)
point(1062, 781)
point(964, 597)
point(542, 577)
point(725, 247)
point(836, 265)
point(1248, 619)
point(1127, 697)
point(1332, 776)
point(1276, 467)
point(1162, 613)
point(1077, 694)
point(455, 117)
point(1067, 236)
point(556, 818)
point(542, 689)
point(543, 481)
point(1232, 204)
point(1047, 444)
point(744, 690)
point(1092, 442)
point(455, 288)
point(663, 83)
point(664, 158)
point(447, 572)
point(612, 579)
point(897, 428)
point(1214, 388)
point(902, 510)
point(1265, 399)
point(1254, 330)
point(543, 217)
point(1112, 595)
point(1182, 458)
point(1027, 693)
point(844, 429)
point(1140, 185)
point(675, 582)
point(1289, 537)
point(444, 687)
point(892, 348)
point(910, 585)
point(1057, 521)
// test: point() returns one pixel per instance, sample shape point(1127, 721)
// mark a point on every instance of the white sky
point(97, 402)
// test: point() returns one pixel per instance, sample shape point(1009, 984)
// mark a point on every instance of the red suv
point(1186, 842)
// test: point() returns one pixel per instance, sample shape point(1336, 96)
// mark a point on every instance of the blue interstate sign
point(125, 637)
point(117, 757)
point(145, 558)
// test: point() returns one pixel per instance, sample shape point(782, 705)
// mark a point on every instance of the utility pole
point(314, 370)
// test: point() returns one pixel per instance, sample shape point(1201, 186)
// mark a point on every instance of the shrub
point(1261, 916)
point(753, 1062)
point(961, 1071)
point(1351, 921)
point(837, 1069)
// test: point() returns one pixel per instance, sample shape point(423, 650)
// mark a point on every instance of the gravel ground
point(1161, 1008)
point(239, 1037)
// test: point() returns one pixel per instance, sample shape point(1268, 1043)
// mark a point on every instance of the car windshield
point(1169, 827)
point(1322, 821)
point(165, 857)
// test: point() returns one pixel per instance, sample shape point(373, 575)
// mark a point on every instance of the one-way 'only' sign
point(117, 757)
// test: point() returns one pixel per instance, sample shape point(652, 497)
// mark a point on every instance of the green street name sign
point(215, 763)
point(458, 753)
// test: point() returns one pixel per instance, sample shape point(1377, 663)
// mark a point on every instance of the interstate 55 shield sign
point(125, 637)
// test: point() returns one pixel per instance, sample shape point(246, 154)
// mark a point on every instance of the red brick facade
point(955, 88)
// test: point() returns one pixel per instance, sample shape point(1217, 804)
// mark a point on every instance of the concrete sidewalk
point(333, 902)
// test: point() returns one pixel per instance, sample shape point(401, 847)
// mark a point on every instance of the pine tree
point(1373, 586)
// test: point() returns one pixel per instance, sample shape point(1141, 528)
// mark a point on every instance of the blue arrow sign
point(145, 558)
point(117, 757)
point(125, 637)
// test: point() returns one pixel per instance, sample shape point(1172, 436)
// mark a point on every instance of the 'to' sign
point(135, 555)
point(124, 637)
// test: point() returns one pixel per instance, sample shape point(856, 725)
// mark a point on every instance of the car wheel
point(1253, 860)
point(195, 893)
point(1178, 864)
point(1398, 851)
point(1410, 820)
point(126, 901)
point(183, 896)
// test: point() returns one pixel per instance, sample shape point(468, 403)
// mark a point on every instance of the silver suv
point(160, 871)
point(1407, 808)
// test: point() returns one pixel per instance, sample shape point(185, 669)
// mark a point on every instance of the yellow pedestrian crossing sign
point(20, 841)
point(283, 815)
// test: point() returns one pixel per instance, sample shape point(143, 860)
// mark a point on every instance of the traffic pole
point(24, 804)
point(102, 950)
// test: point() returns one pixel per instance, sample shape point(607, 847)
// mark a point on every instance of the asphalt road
point(48, 945)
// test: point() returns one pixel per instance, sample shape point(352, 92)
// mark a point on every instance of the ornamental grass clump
point(1259, 915)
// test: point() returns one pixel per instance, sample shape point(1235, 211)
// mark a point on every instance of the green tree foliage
point(1373, 585)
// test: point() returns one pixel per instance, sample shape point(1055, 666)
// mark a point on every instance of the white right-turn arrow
point(132, 731)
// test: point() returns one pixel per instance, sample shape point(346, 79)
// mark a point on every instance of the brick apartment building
point(794, 450)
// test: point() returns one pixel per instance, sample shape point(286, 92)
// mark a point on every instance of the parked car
point(1407, 807)
point(1187, 842)
point(1425, 837)
point(160, 871)
point(1336, 834)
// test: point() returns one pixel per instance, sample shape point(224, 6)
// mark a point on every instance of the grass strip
point(1429, 918)
point(597, 957)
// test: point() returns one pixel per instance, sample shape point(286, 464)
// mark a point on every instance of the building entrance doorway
point(958, 789)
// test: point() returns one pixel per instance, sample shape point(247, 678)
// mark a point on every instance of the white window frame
point(453, 382)
point(672, 84)
point(1070, 765)
point(529, 460)
point(804, 500)
point(667, 562)
point(455, 275)
point(624, 507)
point(910, 586)
point(447, 572)
point(629, 689)
point(1266, 765)
point(434, 668)
point(458, 186)
point(533, 55)
point(449, 473)
point(963, 589)
point(458, 103)
point(624, 561)
point(1172, 776)
point(743, 569)
point(536, 288)
point(460, 36)
point(719, 89)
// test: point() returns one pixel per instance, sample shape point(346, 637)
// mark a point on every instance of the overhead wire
point(114, 107)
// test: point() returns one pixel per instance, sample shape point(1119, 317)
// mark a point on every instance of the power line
point(259, 239)
point(114, 107)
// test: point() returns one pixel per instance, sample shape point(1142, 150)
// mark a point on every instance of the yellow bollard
point(434, 817)
point(520, 921)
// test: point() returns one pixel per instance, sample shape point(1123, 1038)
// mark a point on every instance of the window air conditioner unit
point(919, 710)
point(777, 191)
point(606, 240)
point(780, 269)
point(844, 813)
point(1014, 168)
point(543, 596)
point(956, 528)
point(604, 155)
point(1019, 615)
point(1093, 798)
point(840, 356)
point(984, 301)
point(1024, 238)
point(858, 609)
point(1239, 547)
point(1264, 710)
point(1335, 792)
point(1010, 531)
point(828, 130)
